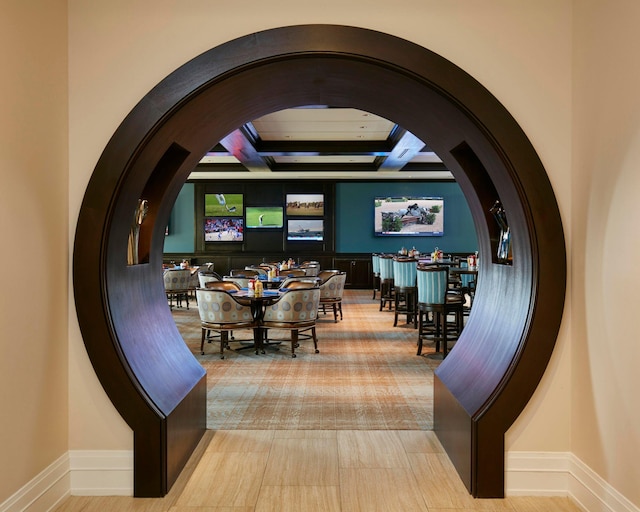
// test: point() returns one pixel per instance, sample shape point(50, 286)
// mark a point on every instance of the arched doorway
point(132, 341)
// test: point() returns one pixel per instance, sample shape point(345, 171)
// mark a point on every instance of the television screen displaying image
point(223, 229)
point(305, 229)
point(264, 216)
point(409, 216)
point(223, 205)
point(306, 205)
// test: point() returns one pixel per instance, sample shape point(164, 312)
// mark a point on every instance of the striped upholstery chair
point(433, 282)
point(295, 311)
point(375, 269)
point(405, 290)
point(219, 311)
point(386, 280)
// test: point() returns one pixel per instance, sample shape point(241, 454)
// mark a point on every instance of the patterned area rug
point(366, 377)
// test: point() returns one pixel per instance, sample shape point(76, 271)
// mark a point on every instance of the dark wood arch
point(134, 346)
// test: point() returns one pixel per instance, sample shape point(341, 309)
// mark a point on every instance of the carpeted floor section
point(366, 377)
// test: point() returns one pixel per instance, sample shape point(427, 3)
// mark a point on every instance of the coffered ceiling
point(321, 142)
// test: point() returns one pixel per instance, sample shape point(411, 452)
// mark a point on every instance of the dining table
point(258, 302)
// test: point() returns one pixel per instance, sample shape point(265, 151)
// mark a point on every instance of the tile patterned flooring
point(318, 471)
point(348, 467)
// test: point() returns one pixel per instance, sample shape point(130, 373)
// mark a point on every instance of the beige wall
point(34, 242)
point(120, 51)
point(524, 52)
point(606, 187)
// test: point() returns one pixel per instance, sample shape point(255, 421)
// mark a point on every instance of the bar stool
point(433, 297)
point(386, 280)
point(375, 265)
point(406, 291)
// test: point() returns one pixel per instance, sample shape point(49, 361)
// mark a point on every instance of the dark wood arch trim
point(133, 344)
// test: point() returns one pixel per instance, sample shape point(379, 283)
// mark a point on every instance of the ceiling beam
point(239, 145)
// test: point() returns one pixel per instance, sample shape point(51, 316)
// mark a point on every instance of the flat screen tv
point(223, 205)
point(305, 229)
point(305, 205)
point(409, 216)
point(223, 229)
point(264, 217)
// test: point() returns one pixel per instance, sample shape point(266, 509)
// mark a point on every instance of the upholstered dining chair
point(386, 280)
point(298, 282)
point(323, 275)
point(405, 300)
point(331, 292)
point(433, 283)
point(242, 282)
point(220, 312)
point(206, 277)
point(296, 311)
point(176, 286)
point(375, 271)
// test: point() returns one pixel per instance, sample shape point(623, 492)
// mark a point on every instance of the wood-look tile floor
point(318, 470)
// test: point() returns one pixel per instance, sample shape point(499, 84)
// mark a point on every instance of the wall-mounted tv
point(305, 229)
point(223, 205)
point(264, 217)
point(223, 229)
point(409, 216)
point(305, 205)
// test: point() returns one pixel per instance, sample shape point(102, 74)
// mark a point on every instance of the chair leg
point(340, 309)
point(315, 339)
point(420, 327)
point(224, 339)
point(335, 312)
point(294, 342)
point(202, 337)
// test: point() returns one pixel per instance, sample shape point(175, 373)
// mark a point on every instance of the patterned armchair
point(331, 292)
point(219, 311)
point(176, 285)
point(295, 311)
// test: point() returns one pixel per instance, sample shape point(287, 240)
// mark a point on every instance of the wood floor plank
point(308, 461)
point(371, 449)
point(380, 490)
point(229, 479)
point(300, 498)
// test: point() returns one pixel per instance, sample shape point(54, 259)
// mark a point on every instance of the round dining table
point(258, 303)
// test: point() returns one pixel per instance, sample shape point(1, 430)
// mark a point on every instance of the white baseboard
point(562, 474)
point(44, 492)
point(101, 472)
point(110, 473)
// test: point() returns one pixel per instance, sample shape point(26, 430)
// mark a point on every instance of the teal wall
point(181, 235)
point(354, 218)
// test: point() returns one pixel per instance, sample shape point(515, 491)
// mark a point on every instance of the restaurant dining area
point(432, 294)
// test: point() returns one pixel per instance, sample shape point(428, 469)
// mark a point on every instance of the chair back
point(386, 267)
point(177, 279)
point(259, 271)
point(432, 284)
point(333, 287)
point(326, 274)
point(375, 264)
point(203, 279)
point(404, 272)
point(242, 282)
point(243, 272)
point(467, 280)
point(219, 307)
point(299, 282)
point(222, 285)
point(294, 272)
point(299, 305)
